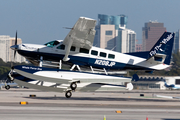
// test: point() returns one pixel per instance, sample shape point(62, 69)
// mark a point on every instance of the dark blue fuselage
point(81, 61)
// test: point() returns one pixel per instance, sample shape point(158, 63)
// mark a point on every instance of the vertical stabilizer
point(162, 50)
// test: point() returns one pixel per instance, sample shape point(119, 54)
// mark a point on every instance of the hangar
point(155, 82)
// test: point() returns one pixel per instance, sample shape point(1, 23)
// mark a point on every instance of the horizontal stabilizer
point(158, 58)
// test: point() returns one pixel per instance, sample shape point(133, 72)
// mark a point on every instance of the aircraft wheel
point(7, 87)
point(73, 86)
point(68, 94)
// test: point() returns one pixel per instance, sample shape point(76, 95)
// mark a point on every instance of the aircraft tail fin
point(162, 50)
point(135, 78)
point(166, 85)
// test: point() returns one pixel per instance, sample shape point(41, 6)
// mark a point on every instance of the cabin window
point(73, 48)
point(52, 43)
point(111, 56)
point(177, 82)
point(83, 50)
point(102, 54)
point(62, 47)
point(93, 52)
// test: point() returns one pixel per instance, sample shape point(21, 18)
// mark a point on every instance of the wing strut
point(72, 68)
point(60, 64)
point(68, 49)
point(41, 61)
point(105, 71)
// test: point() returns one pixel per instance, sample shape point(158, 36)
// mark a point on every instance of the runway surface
point(89, 105)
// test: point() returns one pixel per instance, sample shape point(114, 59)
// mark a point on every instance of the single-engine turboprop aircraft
point(58, 80)
point(76, 49)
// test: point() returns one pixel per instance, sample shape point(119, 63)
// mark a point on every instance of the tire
point(73, 86)
point(68, 94)
point(7, 87)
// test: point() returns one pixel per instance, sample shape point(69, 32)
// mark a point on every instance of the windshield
point(52, 43)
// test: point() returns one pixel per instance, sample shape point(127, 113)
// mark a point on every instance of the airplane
point(171, 86)
point(59, 80)
point(78, 51)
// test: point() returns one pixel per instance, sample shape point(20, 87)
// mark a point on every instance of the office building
point(6, 53)
point(138, 47)
point(112, 34)
point(176, 47)
point(151, 32)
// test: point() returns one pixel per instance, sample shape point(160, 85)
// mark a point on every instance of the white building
point(156, 82)
point(6, 53)
point(126, 41)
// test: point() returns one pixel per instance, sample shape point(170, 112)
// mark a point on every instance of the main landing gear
point(73, 87)
point(9, 79)
point(68, 94)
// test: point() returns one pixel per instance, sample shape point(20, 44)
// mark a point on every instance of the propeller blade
point(14, 48)
point(16, 39)
point(14, 54)
point(15, 44)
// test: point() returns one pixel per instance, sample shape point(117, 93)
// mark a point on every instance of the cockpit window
point(52, 43)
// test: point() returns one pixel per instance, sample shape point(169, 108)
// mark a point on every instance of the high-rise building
point(138, 47)
point(6, 53)
point(176, 47)
point(112, 34)
point(151, 32)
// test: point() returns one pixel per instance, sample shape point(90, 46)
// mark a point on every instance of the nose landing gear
point(7, 87)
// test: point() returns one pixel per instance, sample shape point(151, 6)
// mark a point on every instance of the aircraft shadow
point(170, 119)
point(102, 99)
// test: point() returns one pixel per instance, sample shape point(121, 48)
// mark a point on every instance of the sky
point(40, 21)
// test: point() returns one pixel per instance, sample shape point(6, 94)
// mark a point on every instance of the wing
point(81, 35)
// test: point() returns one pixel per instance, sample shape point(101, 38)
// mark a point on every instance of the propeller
point(9, 76)
point(14, 47)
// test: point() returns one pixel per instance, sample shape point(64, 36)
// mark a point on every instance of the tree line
point(5, 67)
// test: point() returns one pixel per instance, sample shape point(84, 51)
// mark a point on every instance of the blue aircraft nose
point(14, 47)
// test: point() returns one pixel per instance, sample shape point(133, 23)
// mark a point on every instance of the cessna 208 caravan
point(77, 49)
